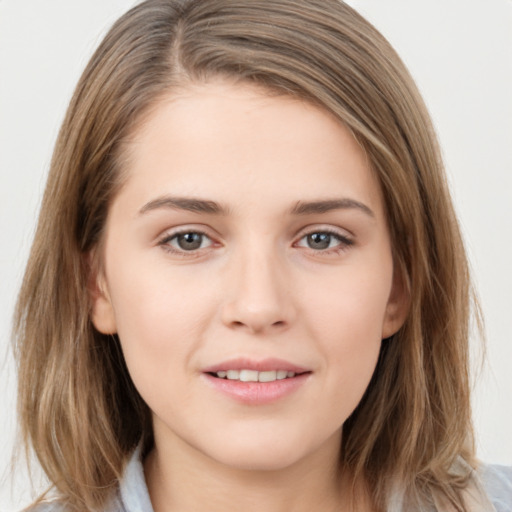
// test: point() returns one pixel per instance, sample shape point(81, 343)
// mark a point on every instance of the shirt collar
point(133, 489)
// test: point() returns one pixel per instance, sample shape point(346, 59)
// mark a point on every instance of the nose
point(258, 299)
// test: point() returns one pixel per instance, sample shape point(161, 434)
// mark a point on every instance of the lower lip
point(257, 393)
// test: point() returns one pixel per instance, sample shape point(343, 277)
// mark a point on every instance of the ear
point(102, 312)
point(398, 305)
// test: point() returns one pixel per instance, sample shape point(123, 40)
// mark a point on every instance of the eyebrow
point(196, 205)
point(312, 207)
point(184, 203)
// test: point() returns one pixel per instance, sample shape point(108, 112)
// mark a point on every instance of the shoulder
point(497, 481)
point(131, 496)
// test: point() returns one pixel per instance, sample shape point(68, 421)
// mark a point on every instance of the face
point(247, 270)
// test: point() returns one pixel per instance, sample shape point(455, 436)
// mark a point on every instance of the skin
point(257, 287)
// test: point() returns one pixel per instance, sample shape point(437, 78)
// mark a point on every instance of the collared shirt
point(134, 496)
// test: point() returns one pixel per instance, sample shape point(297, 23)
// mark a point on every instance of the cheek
point(346, 316)
point(349, 305)
point(351, 357)
point(159, 318)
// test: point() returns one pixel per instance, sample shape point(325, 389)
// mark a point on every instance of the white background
point(460, 53)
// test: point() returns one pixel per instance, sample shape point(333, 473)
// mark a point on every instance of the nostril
point(256, 326)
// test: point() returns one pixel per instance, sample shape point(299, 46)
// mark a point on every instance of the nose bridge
point(258, 296)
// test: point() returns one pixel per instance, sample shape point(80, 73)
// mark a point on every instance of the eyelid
point(326, 228)
point(345, 238)
point(164, 239)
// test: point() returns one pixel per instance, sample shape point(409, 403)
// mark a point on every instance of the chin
point(260, 462)
point(260, 454)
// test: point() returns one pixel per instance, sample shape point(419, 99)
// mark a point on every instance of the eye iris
point(319, 240)
point(190, 241)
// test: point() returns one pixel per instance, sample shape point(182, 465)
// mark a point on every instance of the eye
point(324, 240)
point(186, 241)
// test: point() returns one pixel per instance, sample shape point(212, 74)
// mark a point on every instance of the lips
point(256, 382)
point(264, 365)
point(246, 375)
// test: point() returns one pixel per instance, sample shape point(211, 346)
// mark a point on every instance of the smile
point(254, 375)
point(252, 382)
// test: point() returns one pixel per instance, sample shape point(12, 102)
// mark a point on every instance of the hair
point(79, 410)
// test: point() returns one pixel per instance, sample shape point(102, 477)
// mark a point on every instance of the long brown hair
point(78, 408)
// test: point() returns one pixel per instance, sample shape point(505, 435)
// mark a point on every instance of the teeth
point(248, 376)
point(255, 376)
point(267, 376)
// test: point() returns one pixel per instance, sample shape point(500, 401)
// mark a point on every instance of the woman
point(248, 286)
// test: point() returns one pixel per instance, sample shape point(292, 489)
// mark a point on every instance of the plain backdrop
point(460, 53)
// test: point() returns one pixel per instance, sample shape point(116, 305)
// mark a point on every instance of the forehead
point(204, 137)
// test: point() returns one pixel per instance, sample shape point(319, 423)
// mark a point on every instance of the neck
point(181, 478)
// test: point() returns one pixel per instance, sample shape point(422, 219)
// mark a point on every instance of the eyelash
point(344, 242)
point(165, 242)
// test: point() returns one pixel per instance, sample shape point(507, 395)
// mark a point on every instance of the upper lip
point(263, 365)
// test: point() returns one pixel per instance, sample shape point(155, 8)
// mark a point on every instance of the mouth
point(257, 382)
point(246, 375)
